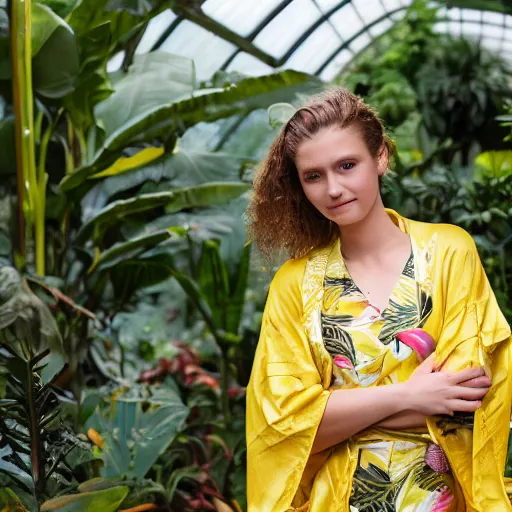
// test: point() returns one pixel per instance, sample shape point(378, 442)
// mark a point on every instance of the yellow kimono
point(295, 370)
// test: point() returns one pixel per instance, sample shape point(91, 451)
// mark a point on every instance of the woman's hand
point(431, 393)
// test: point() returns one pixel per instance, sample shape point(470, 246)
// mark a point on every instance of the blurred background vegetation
point(130, 303)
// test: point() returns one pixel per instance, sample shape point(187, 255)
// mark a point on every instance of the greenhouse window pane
point(492, 44)
point(507, 47)
point(442, 27)
point(249, 65)
point(347, 22)
point(391, 5)
point(156, 27)
point(336, 65)
point(315, 49)
point(280, 34)
point(207, 50)
point(115, 62)
point(472, 30)
point(241, 17)
point(381, 27)
point(454, 14)
point(370, 10)
point(508, 20)
point(471, 15)
point(398, 16)
point(493, 32)
point(360, 42)
point(327, 5)
point(493, 18)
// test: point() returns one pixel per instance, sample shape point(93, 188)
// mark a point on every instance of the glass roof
point(319, 37)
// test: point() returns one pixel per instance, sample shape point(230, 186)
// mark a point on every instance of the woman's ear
point(382, 160)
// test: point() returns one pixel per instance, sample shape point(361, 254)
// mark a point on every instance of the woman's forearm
point(350, 411)
point(403, 420)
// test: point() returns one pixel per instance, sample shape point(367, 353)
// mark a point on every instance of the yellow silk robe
point(292, 376)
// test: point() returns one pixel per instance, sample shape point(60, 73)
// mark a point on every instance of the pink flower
point(443, 501)
point(343, 362)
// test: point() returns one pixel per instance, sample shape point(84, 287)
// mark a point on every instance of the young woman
point(342, 415)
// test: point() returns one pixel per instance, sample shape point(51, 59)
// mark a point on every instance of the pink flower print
point(436, 459)
point(419, 340)
point(443, 501)
point(343, 362)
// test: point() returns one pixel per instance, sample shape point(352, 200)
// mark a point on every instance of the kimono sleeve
point(475, 333)
point(285, 398)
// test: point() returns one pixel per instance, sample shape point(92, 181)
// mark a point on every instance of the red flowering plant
point(197, 469)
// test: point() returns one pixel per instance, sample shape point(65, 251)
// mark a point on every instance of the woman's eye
point(347, 166)
point(312, 176)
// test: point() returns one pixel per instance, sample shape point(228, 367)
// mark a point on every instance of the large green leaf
point(88, 14)
point(60, 7)
point(238, 286)
point(92, 84)
point(206, 105)
point(9, 501)
point(494, 163)
point(123, 251)
point(13, 471)
point(179, 199)
point(135, 7)
point(213, 281)
point(224, 293)
point(208, 194)
point(119, 210)
point(53, 77)
point(154, 79)
point(137, 426)
point(107, 500)
point(32, 322)
point(181, 168)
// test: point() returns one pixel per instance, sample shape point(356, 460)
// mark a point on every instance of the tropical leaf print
point(450, 424)
point(397, 317)
point(337, 340)
point(400, 316)
point(373, 491)
point(345, 284)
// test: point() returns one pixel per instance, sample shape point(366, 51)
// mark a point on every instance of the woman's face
point(339, 175)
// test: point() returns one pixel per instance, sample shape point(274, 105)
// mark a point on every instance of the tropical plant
point(36, 417)
point(461, 89)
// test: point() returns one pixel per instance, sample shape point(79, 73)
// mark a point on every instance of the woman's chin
point(347, 218)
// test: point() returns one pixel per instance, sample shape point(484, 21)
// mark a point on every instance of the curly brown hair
point(279, 214)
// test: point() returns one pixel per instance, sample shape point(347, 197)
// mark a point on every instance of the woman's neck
point(371, 236)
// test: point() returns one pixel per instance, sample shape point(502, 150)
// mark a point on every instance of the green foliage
point(35, 428)
point(107, 500)
point(147, 179)
point(385, 74)
point(137, 425)
point(461, 88)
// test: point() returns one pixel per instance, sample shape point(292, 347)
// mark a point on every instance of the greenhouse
point(138, 142)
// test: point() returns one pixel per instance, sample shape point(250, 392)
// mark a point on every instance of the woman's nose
point(334, 187)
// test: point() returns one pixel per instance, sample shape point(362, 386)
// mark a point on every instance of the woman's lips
point(339, 205)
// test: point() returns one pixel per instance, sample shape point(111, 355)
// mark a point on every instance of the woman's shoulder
point(291, 272)
point(446, 235)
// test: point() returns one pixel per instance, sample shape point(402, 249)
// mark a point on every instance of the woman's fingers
point(465, 405)
point(427, 366)
point(467, 374)
point(465, 393)
point(477, 382)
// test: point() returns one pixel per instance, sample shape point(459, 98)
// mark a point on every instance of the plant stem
point(224, 382)
point(21, 44)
